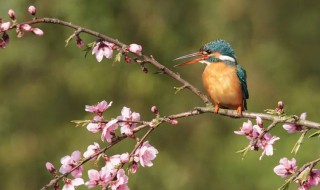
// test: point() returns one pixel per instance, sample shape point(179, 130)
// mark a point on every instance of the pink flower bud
point(5, 37)
point(280, 105)
point(2, 44)
point(259, 121)
point(26, 27)
point(37, 31)
point(124, 158)
point(32, 10)
point(127, 59)
point(135, 48)
point(173, 121)
point(145, 70)
point(11, 14)
point(4, 26)
point(79, 42)
point(50, 167)
point(134, 167)
point(155, 110)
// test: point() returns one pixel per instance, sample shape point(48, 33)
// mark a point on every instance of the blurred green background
point(45, 85)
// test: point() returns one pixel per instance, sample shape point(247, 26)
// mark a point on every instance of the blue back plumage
point(242, 75)
point(224, 48)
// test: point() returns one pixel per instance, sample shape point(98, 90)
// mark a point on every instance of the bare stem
point(145, 58)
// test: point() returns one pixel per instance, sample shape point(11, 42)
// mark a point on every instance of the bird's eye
point(205, 52)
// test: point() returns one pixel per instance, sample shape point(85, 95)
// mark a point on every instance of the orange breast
point(223, 85)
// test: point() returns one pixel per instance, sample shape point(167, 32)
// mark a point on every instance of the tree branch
point(145, 58)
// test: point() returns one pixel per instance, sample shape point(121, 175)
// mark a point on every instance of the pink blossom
point(286, 167)
point(98, 178)
point(293, 128)
point(69, 162)
point(79, 42)
point(71, 184)
point(37, 31)
point(32, 10)
point(304, 186)
point(103, 49)
point(266, 143)
point(259, 121)
point(254, 134)
point(117, 159)
point(125, 157)
point(314, 178)
point(145, 154)
point(154, 110)
point(4, 26)
point(280, 105)
point(246, 129)
point(11, 14)
point(134, 167)
point(50, 167)
point(108, 130)
point(173, 121)
point(91, 150)
point(99, 108)
point(131, 117)
point(96, 127)
point(26, 27)
point(4, 41)
point(135, 48)
point(121, 182)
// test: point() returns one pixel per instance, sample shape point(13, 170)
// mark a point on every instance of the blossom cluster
point(112, 175)
point(258, 137)
point(289, 167)
point(20, 28)
point(127, 121)
point(294, 128)
point(105, 49)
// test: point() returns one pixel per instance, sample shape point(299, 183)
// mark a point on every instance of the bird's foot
point(216, 108)
point(239, 110)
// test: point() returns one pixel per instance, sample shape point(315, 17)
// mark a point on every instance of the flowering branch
point(144, 58)
point(306, 176)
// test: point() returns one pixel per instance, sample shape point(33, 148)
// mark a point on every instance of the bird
point(223, 78)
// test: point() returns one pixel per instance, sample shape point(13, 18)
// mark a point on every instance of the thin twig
point(145, 58)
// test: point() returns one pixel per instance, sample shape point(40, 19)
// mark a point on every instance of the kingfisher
point(223, 78)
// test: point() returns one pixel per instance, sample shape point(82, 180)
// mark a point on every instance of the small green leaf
point(89, 48)
point(297, 145)
point(81, 123)
point(303, 176)
point(315, 134)
point(178, 89)
point(117, 58)
point(68, 40)
point(285, 186)
point(244, 151)
point(271, 111)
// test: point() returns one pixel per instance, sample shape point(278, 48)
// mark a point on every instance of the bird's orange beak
point(204, 56)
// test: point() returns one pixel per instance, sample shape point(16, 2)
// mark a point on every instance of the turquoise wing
point(242, 75)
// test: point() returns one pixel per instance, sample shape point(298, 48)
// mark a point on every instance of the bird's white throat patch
point(205, 62)
point(227, 58)
point(221, 57)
